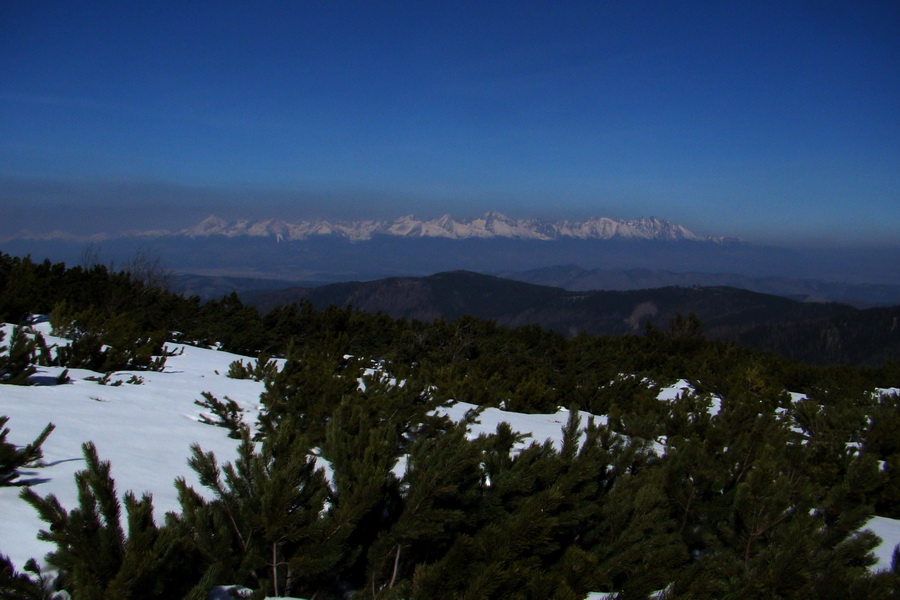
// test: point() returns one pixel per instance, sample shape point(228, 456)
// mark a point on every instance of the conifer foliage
point(225, 413)
point(351, 483)
point(16, 360)
point(262, 528)
point(13, 458)
point(98, 556)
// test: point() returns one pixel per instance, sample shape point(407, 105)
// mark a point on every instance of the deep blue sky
point(770, 121)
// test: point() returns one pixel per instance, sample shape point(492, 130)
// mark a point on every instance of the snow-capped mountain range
point(490, 225)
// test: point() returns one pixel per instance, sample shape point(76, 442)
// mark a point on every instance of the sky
point(769, 121)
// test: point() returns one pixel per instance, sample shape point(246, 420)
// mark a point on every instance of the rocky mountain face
point(490, 225)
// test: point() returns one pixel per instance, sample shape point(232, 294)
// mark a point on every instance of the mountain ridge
point(575, 278)
point(490, 225)
point(214, 285)
point(816, 332)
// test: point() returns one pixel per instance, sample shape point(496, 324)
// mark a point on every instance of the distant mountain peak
point(211, 225)
point(491, 224)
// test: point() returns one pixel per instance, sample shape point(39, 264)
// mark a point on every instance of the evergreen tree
point(365, 493)
point(227, 413)
point(633, 537)
point(13, 458)
point(21, 586)
point(96, 556)
point(441, 487)
point(16, 361)
point(308, 388)
point(263, 527)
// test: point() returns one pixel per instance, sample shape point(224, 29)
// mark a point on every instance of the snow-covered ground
point(538, 427)
point(889, 532)
point(145, 430)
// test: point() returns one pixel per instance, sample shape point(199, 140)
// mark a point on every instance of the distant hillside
point(820, 332)
point(214, 287)
point(332, 258)
point(575, 278)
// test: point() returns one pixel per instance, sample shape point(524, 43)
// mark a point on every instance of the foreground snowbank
point(145, 430)
point(889, 532)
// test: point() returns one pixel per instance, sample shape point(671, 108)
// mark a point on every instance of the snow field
point(146, 431)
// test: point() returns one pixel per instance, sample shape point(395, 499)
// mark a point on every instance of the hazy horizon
point(774, 123)
point(90, 208)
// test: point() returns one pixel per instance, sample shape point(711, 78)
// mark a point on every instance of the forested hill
point(575, 278)
point(821, 333)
